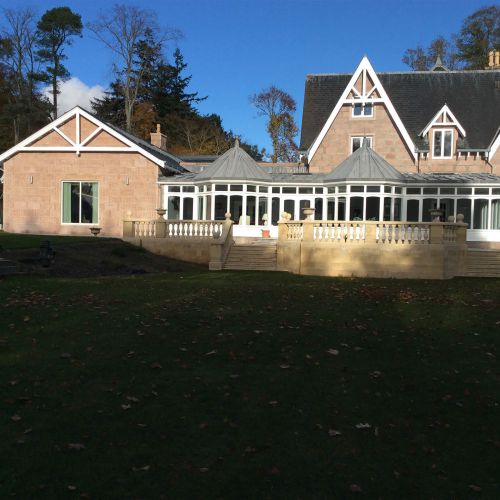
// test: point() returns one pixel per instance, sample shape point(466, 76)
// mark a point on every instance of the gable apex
point(366, 93)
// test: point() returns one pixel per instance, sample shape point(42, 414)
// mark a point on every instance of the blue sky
point(235, 48)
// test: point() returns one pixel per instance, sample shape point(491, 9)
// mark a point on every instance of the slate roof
point(451, 178)
point(364, 165)
point(172, 163)
point(417, 97)
point(234, 164)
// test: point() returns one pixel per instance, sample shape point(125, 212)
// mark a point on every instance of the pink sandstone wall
point(387, 142)
point(36, 207)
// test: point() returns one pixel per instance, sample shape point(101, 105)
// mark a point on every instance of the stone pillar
point(370, 231)
point(436, 233)
point(308, 234)
point(128, 228)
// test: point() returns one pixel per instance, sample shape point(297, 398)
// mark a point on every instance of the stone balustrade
point(397, 249)
point(162, 228)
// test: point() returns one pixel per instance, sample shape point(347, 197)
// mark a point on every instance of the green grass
point(205, 385)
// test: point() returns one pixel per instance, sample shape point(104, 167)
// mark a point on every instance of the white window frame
point(363, 107)
point(442, 131)
point(362, 137)
point(62, 203)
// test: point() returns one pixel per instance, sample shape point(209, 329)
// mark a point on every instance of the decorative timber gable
point(77, 131)
point(364, 88)
point(444, 118)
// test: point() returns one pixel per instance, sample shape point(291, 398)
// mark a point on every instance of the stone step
point(252, 256)
point(483, 263)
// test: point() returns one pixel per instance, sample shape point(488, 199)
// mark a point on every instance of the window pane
point(251, 200)
point(236, 209)
point(236, 187)
point(187, 209)
point(368, 141)
point(303, 204)
point(174, 189)
point(67, 199)
point(464, 190)
point(356, 208)
point(368, 109)
point(430, 191)
point(330, 213)
point(188, 189)
point(318, 205)
point(341, 209)
point(428, 205)
point(263, 211)
point(289, 190)
point(447, 143)
point(263, 189)
point(387, 208)
point(251, 189)
point(412, 190)
point(481, 191)
point(275, 215)
point(356, 143)
point(397, 209)
point(495, 214)
point(276, 189)
point(305, 190)
point(89, 204)
point(220, 206)
point(437, 142)
point(221, 187)
point(447, 190)
point(75, 202)
point(480, 214)
point(357, 109)
point(373, 207)
point(464, 208)
point(357, 189)
point(448, 206)
point(412, 207)
point(374, 189)
point(201, 205)
point(289, 207)
point(173, 204)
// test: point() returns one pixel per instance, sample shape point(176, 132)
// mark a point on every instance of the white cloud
point(75, 92)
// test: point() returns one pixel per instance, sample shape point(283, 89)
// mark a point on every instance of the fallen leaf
point(76, 446)
point(363, 426)
point(156, 365)
point(15, 418)
point(334, 432)
point(334, 352)
point(355, 488)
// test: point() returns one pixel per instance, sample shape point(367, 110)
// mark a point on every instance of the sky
point(235, 48)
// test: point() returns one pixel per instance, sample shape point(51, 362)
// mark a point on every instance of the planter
point(266, 233)
point(161, 212)
point(95, 230)
point(309, 212)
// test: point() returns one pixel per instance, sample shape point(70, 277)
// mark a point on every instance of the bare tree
point(20, 37)
point(278, 106)
point(122, 30)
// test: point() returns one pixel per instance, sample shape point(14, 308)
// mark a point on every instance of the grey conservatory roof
point(451, 178)
point(417, 96)
point(234, 164)
point(364, 165)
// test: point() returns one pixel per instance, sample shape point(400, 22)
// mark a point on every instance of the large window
point(80, 202)
point(443, 141)
point(356, 142)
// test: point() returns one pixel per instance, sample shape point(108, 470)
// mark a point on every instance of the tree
point(479, 34)
point(133, 35)
point(55, 31)
point(26, 108)
point(421, 59)
point(278, 107)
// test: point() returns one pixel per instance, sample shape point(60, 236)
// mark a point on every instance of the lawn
point(180, 383)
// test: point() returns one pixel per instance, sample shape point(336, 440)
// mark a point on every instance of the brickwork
point(127, 185)
point(388, 142)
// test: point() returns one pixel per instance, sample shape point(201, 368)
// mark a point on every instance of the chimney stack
point(158, 139)
point(493, 59)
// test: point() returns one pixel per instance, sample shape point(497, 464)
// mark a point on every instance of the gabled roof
point(417, 96)
point(79, 144)
point(234, 164)
point(364, 165)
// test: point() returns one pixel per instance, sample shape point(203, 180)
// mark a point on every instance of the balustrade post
point(462, 229)
point(161, 228)
point(308, 232)
point(282, 231)
point(436, 236)
point(370, 232)
point(128, 228)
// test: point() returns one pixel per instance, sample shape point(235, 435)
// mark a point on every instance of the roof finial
point(236, 143)
point(158, 128)
point(438, 65)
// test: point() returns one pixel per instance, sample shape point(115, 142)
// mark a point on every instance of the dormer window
point(443, 144)
point(360, 110)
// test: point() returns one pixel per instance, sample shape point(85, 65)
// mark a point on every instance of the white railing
point(194, 229)
point(161, 228)
point(340, 232)
point(399, 232)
